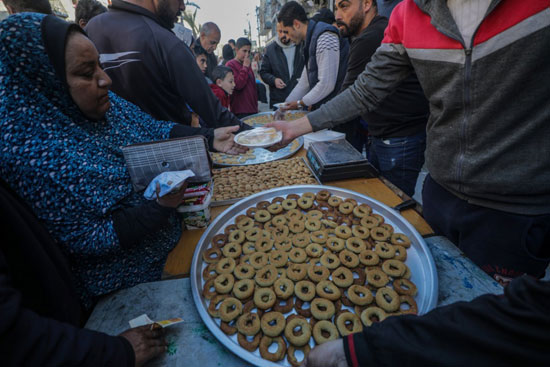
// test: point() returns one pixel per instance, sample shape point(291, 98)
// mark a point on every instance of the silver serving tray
point(419, 259)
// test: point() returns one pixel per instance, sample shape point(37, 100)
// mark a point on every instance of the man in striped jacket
point(484, 68)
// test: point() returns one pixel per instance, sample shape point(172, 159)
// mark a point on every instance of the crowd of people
point(464, 84)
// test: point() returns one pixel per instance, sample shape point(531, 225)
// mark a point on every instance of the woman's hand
point(146, 343)
point(223, 141)
point(291, 130)
point(329, 354)
point(173, 199)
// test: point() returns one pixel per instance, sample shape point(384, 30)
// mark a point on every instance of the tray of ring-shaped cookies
point(290, 268)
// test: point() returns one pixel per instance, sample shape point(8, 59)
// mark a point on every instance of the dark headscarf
point(54, 35)
point(68, 169)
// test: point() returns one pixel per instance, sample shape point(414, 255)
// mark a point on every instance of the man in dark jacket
point(325, 57)
point(151, 67)
point(40, 313)
point(398, 126)
point(508, 330)
point(209, 38)
point(487, 145)
point(281, 67)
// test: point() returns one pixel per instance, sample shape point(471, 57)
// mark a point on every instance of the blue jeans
point(399, 159)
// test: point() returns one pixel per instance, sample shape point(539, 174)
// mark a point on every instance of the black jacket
point(39, 309)
point(152, 68)
point(508, 330)
point(405, 112)
point(275, 65)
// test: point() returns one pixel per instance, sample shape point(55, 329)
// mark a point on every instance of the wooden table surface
point(179, 260)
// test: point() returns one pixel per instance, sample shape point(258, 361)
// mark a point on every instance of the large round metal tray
point(419, 258)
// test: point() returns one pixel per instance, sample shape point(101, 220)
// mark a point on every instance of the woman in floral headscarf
point(60, 133)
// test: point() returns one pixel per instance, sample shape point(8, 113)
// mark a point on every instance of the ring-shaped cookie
point(369, 222)
point(379, 234)
point(226, 265)
point(377, 278)
point(248, 324)
point(296, 226)
point(232, 249)
point(264, 298)
point(278, 258)
point(211, 255)
point(237, 236)
point(317, 273)
point(360, 232)
point(250, 346)
point(243, 288)
point(319, 237)
point(342, 277)
point(224, 283)
point(291, 354)
point(258, 260)
point(401, 240)
point(334, 201)
point(369, 258)
point(387, 299)
point(335, 244)
point(384, 250)
point(394, 268)
point(373, 314)
point(296, 272)
point(297, 331)
point(347, 319)
point(297, 255)
point(244, 271)
point(289, 204)
point(301, 239)
point(345, 208)
point(327, 289)
point(305, 203)
point(343, 232)
point(313, 225)
point(262, 216)
point(348, 259)
point(404, 287)
point(314, 250)
point(356, 245)
point(273, 323)
point(304, 290)
point(325, 327)
point(362, 210)
point(266, 276)
point(230, 308)
point(360, 295)
point(219, 240)
point(284, 288)
point(412, 307)
point(330, 260)
point(322, 309)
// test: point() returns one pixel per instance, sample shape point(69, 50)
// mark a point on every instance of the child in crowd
point(224, 84)
point(244, 101)
point(201, 58)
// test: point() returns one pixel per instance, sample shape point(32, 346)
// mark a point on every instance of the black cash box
point(338, 160)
